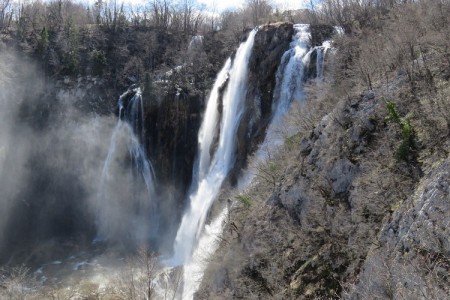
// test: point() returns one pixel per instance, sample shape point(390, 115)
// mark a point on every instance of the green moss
point(246, 200)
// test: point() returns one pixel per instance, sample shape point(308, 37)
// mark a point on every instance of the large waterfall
point(132, 216)
point(191, 248)
point(212, 172)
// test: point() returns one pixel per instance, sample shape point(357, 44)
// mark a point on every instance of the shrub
point(408, 135)
point(99, 61)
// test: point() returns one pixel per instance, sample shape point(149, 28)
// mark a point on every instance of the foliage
point(292, 141)
point(408, 135)
point(73, 40)
point(392, 112)
point(99, 61)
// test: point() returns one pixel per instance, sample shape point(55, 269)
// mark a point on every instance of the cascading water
point(291, 72)
point(209, 127)
point(209, 173)
point(137, 209)
point(289, 86)
point(321, 54)
point(196, 42)
point(210, 181)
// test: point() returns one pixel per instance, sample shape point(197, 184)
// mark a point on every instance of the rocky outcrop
point(412, 252)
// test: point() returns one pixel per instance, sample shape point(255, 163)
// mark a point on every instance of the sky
point(222, 5)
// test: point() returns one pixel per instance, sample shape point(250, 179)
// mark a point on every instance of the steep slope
point(339, 212)
point(314, 210)
point(355, 205)
point(411, 255)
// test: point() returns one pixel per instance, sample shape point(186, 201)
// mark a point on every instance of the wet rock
point(271, 41)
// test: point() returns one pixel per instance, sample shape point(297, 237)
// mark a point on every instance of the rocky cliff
point(411, 253)
point(336, 214)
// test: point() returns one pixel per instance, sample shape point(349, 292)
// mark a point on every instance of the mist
point(52, 155)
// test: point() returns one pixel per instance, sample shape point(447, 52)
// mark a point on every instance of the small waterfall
point(291, 72)
point(213, 171)
point(321, 55)
point(136, 208)
point(196, 42)
point(289, 87)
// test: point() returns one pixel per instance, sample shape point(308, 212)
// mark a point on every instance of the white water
point(196, 42)
point(209, 127)
point(142, 209)
point(321, 54)
point(291, 72)
point(223, 160)
point(207, 245)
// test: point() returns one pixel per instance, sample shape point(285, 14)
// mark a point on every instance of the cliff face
point(171, 137)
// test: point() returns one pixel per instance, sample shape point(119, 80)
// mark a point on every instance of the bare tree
point(259, 10)
point(5, 14)
point(161, 13)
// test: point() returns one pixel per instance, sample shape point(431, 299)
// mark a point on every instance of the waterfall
point(321, 54)
point(137, 209)
point(290, 78)
point(196, 43)
point(288, 88)
point(290, 73)
point(212, 172)
point(208, 129)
